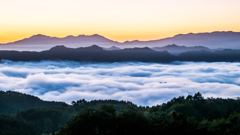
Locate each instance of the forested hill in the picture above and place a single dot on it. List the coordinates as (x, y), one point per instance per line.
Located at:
(11, 102)
(189, 115)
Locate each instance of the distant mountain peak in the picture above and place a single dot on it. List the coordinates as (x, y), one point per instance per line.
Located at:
(58, 48)
(223, 32)
(38, 35)
(172, 45)
(201, 47)
(211, 40)
(175, 49)
(70, 36)
(112, 48)
(132, 41)
(94, 35)
(92, 48)
(144, 49)
(95, 46)
(214, 32)
(97, 35)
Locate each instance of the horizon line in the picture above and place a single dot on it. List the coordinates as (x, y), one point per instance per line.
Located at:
(111, 39)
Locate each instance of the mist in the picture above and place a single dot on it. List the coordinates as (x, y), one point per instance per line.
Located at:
(141, 83)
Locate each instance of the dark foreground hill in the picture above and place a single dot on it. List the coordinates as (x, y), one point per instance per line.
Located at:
(97, 54)
(12, 102)
(28, 115)
(183, 115)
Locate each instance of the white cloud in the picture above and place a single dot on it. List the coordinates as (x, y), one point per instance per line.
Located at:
(141, 83)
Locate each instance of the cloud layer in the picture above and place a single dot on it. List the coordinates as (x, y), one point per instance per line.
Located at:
(141, 83)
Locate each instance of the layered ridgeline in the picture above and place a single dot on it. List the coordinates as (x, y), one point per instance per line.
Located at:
(213, 40)
(28, 115)
(193, 114)
(176, 50)
(95, 53)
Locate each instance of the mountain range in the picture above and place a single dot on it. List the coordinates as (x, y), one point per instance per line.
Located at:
(176, 50)
(213, 40)
(95, 53)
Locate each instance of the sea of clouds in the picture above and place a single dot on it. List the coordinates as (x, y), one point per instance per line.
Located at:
(140, 83)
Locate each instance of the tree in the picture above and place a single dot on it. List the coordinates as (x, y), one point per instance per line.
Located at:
(198, 96)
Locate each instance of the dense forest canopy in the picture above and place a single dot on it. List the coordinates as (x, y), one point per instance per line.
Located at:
(193, 114)
(12, 101)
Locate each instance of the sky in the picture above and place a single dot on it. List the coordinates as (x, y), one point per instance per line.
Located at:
(119, 20)
(141, 83)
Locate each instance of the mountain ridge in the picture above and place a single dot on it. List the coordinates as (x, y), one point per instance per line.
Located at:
(176, 50)
(212, 40)
(95, 53)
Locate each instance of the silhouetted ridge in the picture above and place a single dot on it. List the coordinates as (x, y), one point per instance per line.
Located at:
(190, 115)
(173, 45)
(12, 101)
(112, 48)
(226, 55)
(176, 50)
(58, 48)
(145, 49)
(92, 48)
(97, 35)
(39, 36)
(211, 40)
(95, 53)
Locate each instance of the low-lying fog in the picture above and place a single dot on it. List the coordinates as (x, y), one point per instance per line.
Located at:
(141, 83)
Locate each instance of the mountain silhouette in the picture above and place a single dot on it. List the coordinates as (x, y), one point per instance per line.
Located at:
(112, 48)
(95, 53)
(226, 55)
(213, 40)
(42, 42)
(176, 50)
(137, 49)
(60, 48)
(93, 48)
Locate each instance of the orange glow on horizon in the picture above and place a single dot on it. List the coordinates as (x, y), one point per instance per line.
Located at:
(117, 36)
(116, 20)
